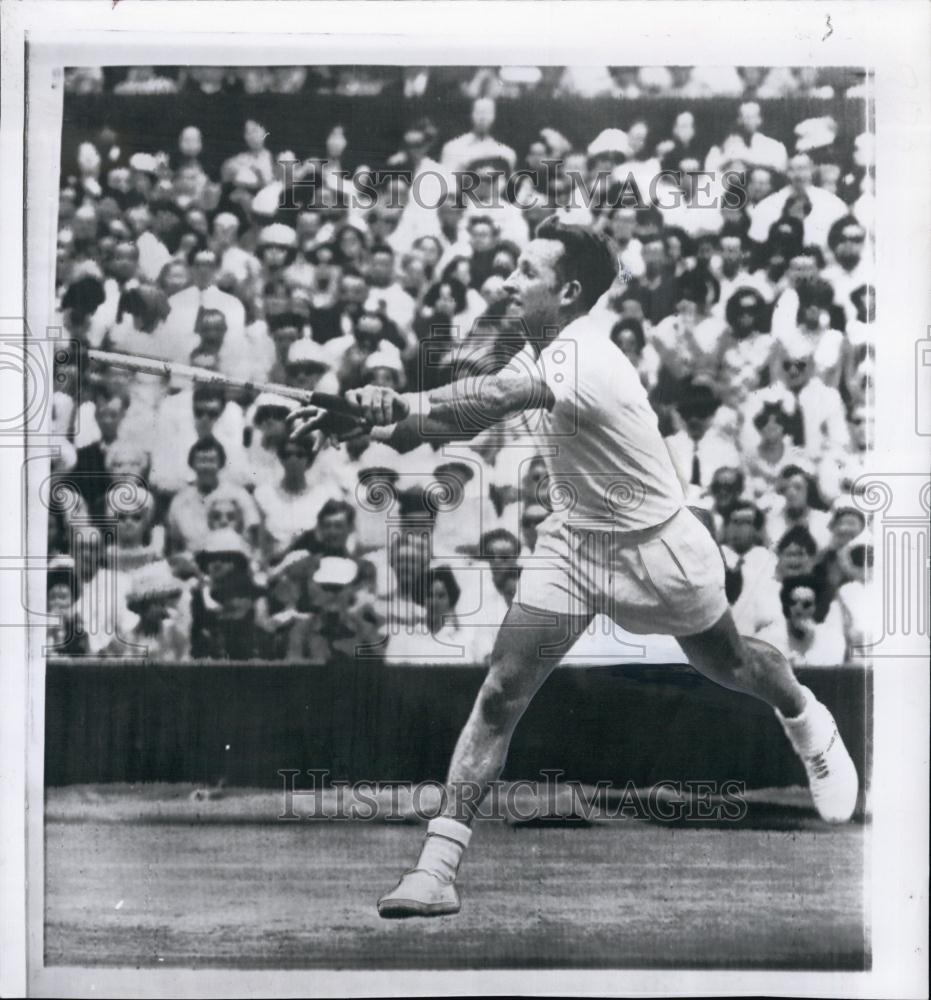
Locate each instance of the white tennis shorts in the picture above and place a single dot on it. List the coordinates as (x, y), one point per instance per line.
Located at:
(666, 580)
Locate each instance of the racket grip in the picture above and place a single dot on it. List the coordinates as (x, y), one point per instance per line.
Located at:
(335, 404)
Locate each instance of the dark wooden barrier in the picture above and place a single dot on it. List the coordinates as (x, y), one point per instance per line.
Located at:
(129, 721)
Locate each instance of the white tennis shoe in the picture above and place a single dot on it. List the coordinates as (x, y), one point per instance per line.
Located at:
(832, 774)
(419, 894)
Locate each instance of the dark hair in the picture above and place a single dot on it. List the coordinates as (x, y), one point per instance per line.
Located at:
(498, 535)
(635, 328)
(793, 583)
(772, 410)
(835, 233)
(202, 248)
(685, 241)
(482, 220)
(84, 296)
(444, 575)
(147, 302)
(759, 517)
(814, 293)
(588, 258)
(333, 507)
(733, 306)
(208, 443)
(305, 444)
(798, 535)
(286, 319)
(737, 472)
(382, 248)
(205, 392)
(456, 286)
(697, 400)
(698, 286)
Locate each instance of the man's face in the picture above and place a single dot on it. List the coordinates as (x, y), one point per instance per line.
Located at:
(204, 269)
(206, 413)
(760, 185)
(483, 116)
(796, 372)
(795, 491)
(859, 428)
(740, 531)
(637, 137)
(224, 514)
(190, 142)
(254, 136)
(124, 261)
(381, 268)
(353, 291)
(109, 415)
(845, 527)
(731, 254)
(799, 172)
(213, 330)
(687, 311)
(622, 224)
(333, 533)
(696, 426)
(849, 250)
(482, 237)
(802, 268)
(59, 599)
(801, 605)
(794, 560)
(725, 488)
(535, 286)
(294, 459)
(684, 128)
(175, 278)
(206, 467)
(627, 342)
(749, 118)
(654, 256)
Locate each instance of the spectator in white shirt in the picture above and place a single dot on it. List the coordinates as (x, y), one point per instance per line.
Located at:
(748, 145)
(822, 209)
(839, 472)
(477, 143)
(850, 271)
(797, 489)
(809, 643)
(827, 346)
(290, 504)
(750, 574)
(699, 450)
(768, 450)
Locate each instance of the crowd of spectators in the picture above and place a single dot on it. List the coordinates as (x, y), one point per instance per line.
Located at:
(505, 82)
(184, 521)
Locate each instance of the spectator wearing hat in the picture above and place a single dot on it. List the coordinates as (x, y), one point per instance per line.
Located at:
(286, 586)
(372, 332)
(230, 626)
(266, 431)
(161, 632)
(235, 262)
(290, 503)
(699, 449)
(825, 208)
(309, 367)
(187, 513)
(342, 624)
(808, 642)
(750, 574)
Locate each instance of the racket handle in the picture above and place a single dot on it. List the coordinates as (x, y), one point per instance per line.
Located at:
(335, 404)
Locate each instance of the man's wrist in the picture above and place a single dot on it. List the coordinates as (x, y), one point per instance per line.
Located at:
(418, 404)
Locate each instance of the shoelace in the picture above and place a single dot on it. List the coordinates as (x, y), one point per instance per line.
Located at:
(819, 764)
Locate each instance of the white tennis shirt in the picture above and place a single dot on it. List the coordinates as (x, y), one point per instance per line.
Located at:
(606, 459)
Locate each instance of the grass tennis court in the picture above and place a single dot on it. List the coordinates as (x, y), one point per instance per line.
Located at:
(301, 895)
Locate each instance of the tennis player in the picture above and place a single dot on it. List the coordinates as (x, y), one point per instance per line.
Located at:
(653, 568)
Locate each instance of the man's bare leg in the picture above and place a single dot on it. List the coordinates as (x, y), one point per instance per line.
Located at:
(757, 668)
(525, 653)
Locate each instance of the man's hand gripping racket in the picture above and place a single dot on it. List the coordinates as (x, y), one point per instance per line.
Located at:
(353, 414)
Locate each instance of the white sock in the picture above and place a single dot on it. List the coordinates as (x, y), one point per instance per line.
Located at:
(443, 846)
(811, 732)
